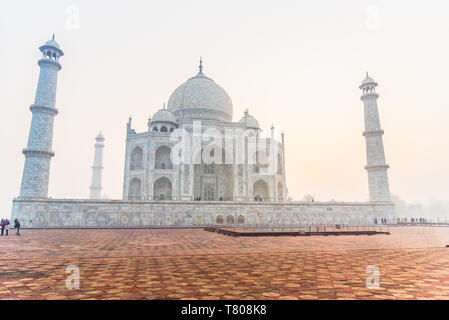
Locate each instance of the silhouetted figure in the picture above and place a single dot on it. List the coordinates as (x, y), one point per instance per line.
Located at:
(17, 226)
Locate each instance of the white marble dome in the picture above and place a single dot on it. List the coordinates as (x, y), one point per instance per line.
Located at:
(163, 115)
(368, 80)
(52, 43)
(200, 98)
(251, 122)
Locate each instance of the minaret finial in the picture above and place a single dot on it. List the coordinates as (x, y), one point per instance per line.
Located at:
(201, 64)
(164, 106)
(53, 37)
(367, 74)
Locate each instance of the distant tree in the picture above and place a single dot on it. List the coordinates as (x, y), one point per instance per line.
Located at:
(436, 210)
(400, 206)
(308, 198)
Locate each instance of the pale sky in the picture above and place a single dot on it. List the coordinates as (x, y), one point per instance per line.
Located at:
(295, 64)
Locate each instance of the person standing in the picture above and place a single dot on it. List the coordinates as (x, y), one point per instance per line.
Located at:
(17, 226)
(7, 228)
(2, 224)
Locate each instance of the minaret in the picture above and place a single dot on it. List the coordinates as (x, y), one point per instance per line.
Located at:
(379, 189)
(97, 168)
(38, 152)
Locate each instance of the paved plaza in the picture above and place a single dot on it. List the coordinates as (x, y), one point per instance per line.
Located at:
(195, 264)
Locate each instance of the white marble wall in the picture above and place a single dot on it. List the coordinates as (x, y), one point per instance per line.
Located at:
(128, 214)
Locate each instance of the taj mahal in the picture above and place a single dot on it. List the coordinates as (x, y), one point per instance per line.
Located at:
(150, 173)
(193, 166)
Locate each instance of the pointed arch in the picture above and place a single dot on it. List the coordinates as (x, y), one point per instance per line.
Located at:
(280, 192)
(261, 190)
(134, 189)
(162, 158)
(280, 169)
(136, 162)
(162, 189)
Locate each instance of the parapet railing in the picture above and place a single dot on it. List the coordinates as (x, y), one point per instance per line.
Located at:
(328, 228)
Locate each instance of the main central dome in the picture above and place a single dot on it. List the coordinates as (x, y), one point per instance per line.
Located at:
(200, 98)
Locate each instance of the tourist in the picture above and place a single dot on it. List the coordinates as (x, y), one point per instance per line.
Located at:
(7, 228)
(17, 226)
(2, 223)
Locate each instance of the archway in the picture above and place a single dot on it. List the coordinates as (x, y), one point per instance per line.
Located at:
(219, 220)
(280, 192)
(162, 189)
(279, 164)
(134, 189)
(260, 191)
(213, 177)
(136, 160)
(230, 219)
(162, 158)
(241, 219)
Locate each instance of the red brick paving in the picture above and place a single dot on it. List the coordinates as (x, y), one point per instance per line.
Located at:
(194, 264)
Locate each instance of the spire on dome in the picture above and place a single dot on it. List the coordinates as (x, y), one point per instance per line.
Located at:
(201, 65)
(100, 137)
(53, 38)
(368, 81)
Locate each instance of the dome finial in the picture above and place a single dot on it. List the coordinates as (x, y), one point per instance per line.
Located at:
(201, 64)
(53, 38)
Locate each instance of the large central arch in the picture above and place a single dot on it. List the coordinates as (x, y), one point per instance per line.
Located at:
(162, 189)
(213, 177)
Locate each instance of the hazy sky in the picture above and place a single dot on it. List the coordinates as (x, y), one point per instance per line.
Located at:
(295, 64)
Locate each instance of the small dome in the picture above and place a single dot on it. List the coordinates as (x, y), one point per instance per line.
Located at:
(251, 122)
(201, 98)
(368, 80)
(100, 136)
(52, 43)
(164, 115)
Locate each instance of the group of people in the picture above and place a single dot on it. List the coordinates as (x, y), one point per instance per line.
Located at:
(412, 220)
(380, 221)
(4, 224)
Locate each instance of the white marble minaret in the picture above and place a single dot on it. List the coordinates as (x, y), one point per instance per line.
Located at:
(97, 168)
(38, 152)
(377, 167)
